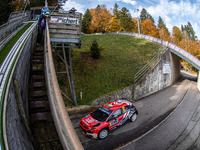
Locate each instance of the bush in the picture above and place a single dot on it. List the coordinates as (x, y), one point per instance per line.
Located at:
(95, 50)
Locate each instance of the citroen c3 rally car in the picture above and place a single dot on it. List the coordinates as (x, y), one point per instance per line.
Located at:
(98, 123)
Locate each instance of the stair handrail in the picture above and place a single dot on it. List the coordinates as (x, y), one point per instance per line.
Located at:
(64, 127)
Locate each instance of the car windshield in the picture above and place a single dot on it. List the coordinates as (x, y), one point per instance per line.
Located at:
(101, 114)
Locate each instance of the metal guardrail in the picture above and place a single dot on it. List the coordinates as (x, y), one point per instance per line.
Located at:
(64, 127)
(14, 21)
(173, 48)
(6, 73)
(149, 65)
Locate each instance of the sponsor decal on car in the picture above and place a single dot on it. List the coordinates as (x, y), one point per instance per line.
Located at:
(113, 122)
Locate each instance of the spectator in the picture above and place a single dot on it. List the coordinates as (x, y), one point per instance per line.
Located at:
(72, 10)
(44, 10)
(41, 26)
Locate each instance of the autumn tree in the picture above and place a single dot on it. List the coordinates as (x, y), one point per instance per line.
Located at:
(145, 15)
(176, 35)
(163, 31)
(149, 28)
(135, 22)
(115, 24)
(101, 19)
(86, 21)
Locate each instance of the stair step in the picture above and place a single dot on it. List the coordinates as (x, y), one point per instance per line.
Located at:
(38, 61)
(38, 53)
(40, 116)
(38, 57)
(38, 93)
(36, 106)
(37, 72)
(38, 84)
(37, 77)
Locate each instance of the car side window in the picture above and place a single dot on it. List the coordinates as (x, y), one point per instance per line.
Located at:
(125, 109)
(116, 114)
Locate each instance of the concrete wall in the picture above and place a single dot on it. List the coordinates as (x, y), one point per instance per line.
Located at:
(16, 133)
(164, 74)
(123, 93)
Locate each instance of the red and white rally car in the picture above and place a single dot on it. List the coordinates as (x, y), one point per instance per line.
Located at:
(98, 123)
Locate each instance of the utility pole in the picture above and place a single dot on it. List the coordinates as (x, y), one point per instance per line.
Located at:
(137, 11)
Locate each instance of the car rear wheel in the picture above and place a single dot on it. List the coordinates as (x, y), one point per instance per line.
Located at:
(103, 133)
(133, 117)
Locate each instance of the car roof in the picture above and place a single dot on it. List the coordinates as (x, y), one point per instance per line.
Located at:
(114, 105)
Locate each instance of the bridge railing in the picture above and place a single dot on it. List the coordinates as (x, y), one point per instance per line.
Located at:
(64, 127)
(14, 21)
(173, 48)
(6, 74)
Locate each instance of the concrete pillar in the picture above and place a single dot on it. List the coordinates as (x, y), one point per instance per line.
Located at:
(198, 80)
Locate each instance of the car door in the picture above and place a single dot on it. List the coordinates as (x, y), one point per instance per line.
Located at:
(115, 118)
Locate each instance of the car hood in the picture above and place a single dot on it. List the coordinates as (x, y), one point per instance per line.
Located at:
(89, 121)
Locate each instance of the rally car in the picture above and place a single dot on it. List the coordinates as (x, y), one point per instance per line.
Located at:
(98, 123)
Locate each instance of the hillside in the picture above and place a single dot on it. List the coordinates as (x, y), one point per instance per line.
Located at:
(121, 58)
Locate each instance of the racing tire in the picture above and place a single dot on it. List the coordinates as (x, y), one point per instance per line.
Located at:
(103, 133)
(133, 117)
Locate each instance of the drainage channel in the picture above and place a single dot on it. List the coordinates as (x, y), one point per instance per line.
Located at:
(41, 120)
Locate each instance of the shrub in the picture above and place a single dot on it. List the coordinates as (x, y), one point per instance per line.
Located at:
(95, 50)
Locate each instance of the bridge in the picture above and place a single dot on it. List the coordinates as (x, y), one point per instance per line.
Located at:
(15, 70)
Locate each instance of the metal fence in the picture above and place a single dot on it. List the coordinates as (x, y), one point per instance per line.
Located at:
(15, 20)
(150, 64)
(6, 73)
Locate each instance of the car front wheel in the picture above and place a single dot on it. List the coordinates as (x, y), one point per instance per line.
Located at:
(103, 133)
(133, 117)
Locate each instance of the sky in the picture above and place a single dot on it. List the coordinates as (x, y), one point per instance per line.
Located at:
(173, 12)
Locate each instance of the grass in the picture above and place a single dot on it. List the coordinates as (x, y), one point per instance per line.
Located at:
(121, 58)
(10, 44)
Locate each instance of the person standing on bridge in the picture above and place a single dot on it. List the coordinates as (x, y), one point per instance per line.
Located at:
(44, 10)
(41, 25)
(72, 10)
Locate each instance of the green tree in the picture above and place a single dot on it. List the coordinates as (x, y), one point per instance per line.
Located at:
(126, 22)
(95, 50)
(163, 31)
(190, 31)
(86, 22)
(161, 24)
(116, 11)
(145, 15)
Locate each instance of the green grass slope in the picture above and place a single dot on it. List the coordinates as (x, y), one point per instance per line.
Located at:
(121, 58)
(10, 44)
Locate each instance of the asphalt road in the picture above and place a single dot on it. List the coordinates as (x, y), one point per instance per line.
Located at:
(172, 127)
(152, 110)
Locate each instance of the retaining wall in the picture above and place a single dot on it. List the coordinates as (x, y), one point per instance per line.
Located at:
(17, 136)
(164, 74)
(156, 79)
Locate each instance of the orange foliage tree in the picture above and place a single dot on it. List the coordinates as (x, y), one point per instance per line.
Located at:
(115, 24)
(149, 28)
(164, 34)
(176, 35)
(101, 19)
